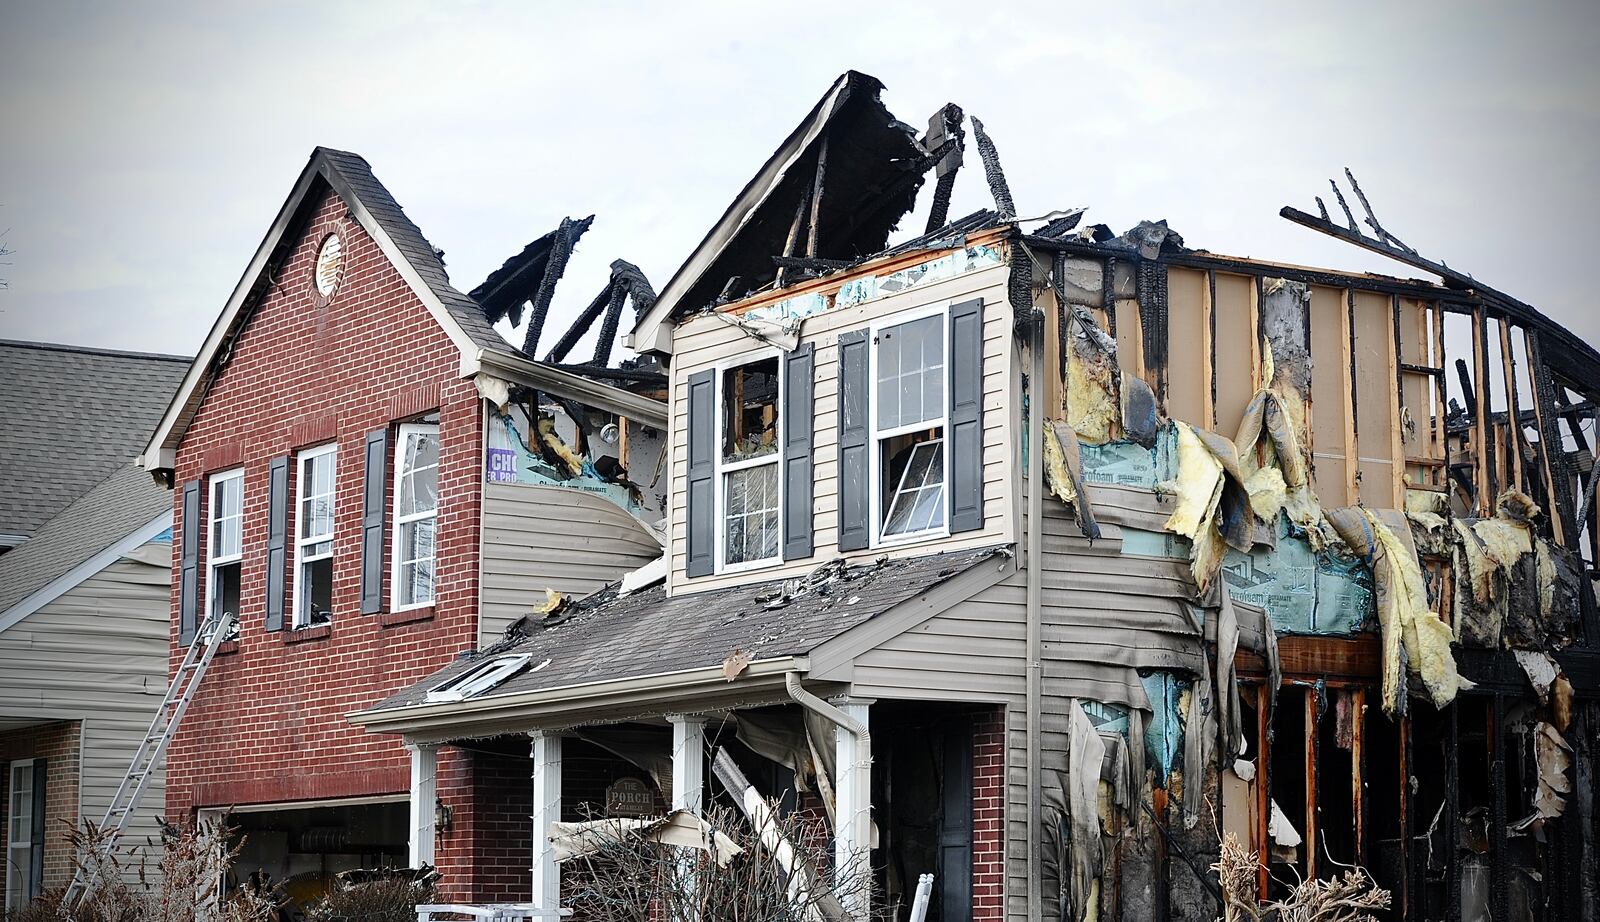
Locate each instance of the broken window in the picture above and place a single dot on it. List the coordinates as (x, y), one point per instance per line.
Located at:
(225, 552)
(908, 418)
(313, 589)
(481, 678)
(749, 462)
(416, 508)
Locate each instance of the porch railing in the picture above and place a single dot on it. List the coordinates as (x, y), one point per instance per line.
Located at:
(494, 912)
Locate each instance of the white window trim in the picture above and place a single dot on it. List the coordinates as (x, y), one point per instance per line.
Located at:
(481, 678)
(14, 900)
(299, 618)
(727, 467)
(405, 430)
(212, 560)
(875, 436)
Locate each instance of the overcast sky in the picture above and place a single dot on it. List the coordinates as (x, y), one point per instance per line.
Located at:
(146, 147)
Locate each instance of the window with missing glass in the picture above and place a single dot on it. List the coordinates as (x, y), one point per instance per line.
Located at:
(313, 588)
(748, 463)
(416, 510)
(908, 427)
(225, 547)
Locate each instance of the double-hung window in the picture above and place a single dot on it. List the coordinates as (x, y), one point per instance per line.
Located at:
(747, 464)
(416, 510)
(20, 828)
(313, 552)
(225, 550)
(909, 362)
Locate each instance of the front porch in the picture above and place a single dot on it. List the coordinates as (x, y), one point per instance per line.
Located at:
(875, 794)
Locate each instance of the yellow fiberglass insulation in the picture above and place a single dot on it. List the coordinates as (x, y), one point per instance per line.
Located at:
(1269, 441)
(1092, 409)
(547, 435)
(1198, 488)
(1408, 626)
(1056, 474)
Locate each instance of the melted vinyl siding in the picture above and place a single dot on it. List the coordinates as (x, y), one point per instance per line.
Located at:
(98, 654)
(539, 537)
(702, 342)
(1105, 615)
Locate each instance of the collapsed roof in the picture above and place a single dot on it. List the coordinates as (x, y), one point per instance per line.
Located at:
(833, 191)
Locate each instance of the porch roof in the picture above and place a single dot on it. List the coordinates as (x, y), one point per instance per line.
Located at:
(609, 637)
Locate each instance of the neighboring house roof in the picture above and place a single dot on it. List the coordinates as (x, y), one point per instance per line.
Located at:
(375, 209)
(122, 512)
(72, 416)
(607, 637)
(873, 172)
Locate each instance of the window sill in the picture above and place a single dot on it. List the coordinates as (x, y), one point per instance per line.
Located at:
(301, 635)
(408, 616)
(227, 647)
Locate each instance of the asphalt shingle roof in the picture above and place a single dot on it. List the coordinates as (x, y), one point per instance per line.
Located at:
(647, 633)
(105, 514)
(71, 416)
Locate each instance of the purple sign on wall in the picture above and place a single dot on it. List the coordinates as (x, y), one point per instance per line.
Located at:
(501, 465)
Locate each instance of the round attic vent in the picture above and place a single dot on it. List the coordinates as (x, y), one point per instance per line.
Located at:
(330, 265)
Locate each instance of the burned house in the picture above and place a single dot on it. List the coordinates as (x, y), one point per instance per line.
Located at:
(1046, 560)
(367, 479)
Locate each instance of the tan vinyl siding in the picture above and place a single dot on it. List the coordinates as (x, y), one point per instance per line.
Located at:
(703, 342)
(542, 537)
(1104, 616)
(98, 654)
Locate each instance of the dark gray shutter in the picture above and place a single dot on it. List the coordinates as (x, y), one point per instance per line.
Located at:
(700, 502)
(36, 871)
(372, 512)
(796, 422)
(189, 568)
(965, 426)
(855, 450)
(955, 824)
(277, 539)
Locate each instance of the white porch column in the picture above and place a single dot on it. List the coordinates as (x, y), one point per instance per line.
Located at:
(688, 761)
(546, 810)
(853, 810)
(424, 794)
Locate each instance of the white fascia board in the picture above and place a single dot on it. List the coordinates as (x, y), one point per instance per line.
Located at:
(558, 382)
(62, 584)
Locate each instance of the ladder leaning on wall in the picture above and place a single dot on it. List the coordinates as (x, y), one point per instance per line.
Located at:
(216, 629)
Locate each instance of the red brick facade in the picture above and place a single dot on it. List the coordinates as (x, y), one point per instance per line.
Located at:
(989, 815)
(58, 744)
(269, 724)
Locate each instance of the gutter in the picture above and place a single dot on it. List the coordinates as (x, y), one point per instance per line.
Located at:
(557, 382)
(449, 717)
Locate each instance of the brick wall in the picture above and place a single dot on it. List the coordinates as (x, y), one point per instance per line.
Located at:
(58, 745)
(487, 853)
(988, 815)
(269, 722)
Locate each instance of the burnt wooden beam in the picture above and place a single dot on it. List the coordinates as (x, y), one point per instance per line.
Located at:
(992, 172)
(793, 239)
(555, 267)
(816, 197)
(943, 127)
(810, 263)
(581, 325)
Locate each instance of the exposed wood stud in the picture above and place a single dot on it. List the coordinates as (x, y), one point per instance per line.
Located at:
(1480, 448)
(1358, 765)
(1404, 897)
(1208, 354)
(1563, 522)
(1397, 445)
(1352, 451)
(816, 197)
(1514, 435)
(1311, 780)
(1263, 797)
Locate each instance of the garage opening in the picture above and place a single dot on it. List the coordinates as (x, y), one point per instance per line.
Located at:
(301, 849)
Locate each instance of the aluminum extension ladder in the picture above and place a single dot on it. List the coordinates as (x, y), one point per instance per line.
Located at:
(216, 629)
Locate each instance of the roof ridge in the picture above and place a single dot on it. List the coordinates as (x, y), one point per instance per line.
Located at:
(95, 350)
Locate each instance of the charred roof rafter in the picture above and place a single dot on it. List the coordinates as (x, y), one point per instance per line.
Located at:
(529, 278)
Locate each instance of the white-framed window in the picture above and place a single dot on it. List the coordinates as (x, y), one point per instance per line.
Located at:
(313, 550)
(416, 511)
(19, 835)
(749, 487)
(482, 677)
(225, 546)
(910, 361)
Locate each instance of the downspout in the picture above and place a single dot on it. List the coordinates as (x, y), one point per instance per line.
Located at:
(863, 756)
(1035, 591)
